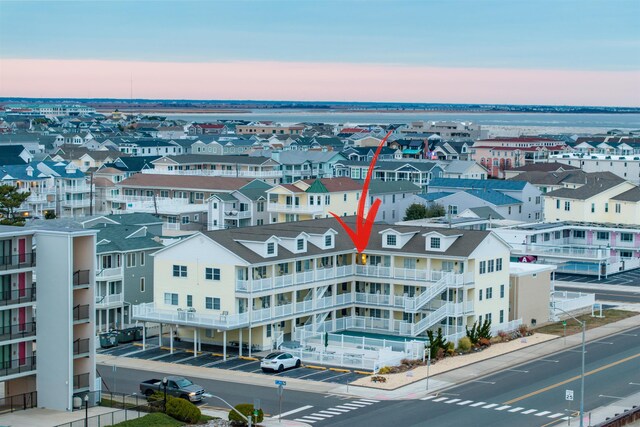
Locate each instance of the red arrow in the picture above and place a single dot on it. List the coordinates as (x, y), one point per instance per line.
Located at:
(361, 236)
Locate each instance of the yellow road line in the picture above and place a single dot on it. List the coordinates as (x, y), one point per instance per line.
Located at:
(542, 390)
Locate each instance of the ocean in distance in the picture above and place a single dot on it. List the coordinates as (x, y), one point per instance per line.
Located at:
(546, 120)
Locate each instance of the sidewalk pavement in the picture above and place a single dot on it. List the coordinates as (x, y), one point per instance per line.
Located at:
(41, 417)
(598, 415)
(267, 422)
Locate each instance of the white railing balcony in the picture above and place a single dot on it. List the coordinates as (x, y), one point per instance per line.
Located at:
(264, 284)
(76, 189)
(373, 271)
(373, 299)
(109, 300)
(281, 207)
(83, 203)
(109, 273)
(283, 281)
(149, 312)
(171, 225)
(573, 252)
(166, 205)
(217, 172)
(234, 214)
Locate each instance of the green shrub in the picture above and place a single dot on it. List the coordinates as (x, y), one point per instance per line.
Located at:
(451, 348)
(464, 344)
(484, 331)
(245, 409)
(183, 410)
(384, 370)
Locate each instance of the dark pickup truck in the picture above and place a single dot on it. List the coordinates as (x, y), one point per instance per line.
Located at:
(176, 386)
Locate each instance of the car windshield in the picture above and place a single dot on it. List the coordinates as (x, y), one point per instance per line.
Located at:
(183, 383)
(272, 356)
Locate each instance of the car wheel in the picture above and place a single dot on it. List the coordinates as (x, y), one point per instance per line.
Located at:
(148, 392)
(298, 363)
(280, 368)
(264, 370)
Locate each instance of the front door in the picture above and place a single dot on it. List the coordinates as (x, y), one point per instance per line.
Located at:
(22, 318)
(22, 250)
(22, 353)
(22, 285)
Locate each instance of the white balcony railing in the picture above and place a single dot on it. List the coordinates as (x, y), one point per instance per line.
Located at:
(281, 207)
(577, 252)
(218, 172)
(109, 300)
(234, 214)
(109, 273)
(165, 205)
(82, 203)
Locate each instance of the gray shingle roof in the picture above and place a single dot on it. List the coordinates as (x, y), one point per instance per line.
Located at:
(494, 184)
(228, 238)
(632, 195)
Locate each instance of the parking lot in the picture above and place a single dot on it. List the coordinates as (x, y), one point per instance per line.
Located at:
(210, 359)
(627, 278)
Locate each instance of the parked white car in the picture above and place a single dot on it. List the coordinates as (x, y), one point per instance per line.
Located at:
(279, 362)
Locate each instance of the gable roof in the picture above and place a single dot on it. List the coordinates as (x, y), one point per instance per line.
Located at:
(594, 186)
(332, 185)
(632, 195)
(196, 182)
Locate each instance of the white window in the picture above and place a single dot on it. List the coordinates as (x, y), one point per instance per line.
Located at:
(328, 240)
(131, 260)
(490, 264)
(602, 235)
(179, 271)
(185, 220)
(626, 237)
(483, 269)
(212, 273)
(391, 240)
(618, 208)
(142, 260)
(435, 243)
(212, 303)
(142, 284)
(271, 248)
(170, 299)
(498, 264)
(489, 293)
(300, 244)
(567, 206)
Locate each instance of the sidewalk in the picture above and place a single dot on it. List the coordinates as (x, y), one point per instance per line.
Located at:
(267, 422)
(40, 417)
(601, 414)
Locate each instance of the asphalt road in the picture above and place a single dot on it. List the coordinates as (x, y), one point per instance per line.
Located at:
(618, 296)
(526, 395)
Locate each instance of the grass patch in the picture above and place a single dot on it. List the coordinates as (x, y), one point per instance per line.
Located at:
(157, 419)
(610, 316)
(112, 403)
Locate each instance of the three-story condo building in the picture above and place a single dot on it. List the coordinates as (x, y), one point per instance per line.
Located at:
(260, 285)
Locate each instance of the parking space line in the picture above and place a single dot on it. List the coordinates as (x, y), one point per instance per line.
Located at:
(312, 373)
(337, 376)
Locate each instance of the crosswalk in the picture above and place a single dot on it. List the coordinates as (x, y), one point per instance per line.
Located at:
(335, 411)
(496, 407)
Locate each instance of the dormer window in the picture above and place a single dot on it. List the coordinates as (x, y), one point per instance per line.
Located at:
(271, 248)
(435, 243)
(300, 244)
(328, 241)
(391, 240)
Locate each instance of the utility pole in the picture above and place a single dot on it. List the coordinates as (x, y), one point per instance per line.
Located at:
(91, 194)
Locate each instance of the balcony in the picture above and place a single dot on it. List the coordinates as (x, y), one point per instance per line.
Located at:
(14, 262)
(81, 278)
(81, 347)
(218, 172)
(103, 301)
(17, 331)
(18, 296)
(592, 253)
(77, 203)
(163, 205)
(109, 273)
(298, 278)
(80, 382)
(15, 367)
(81, 313)
(234, 214)
(83, 188)
(300, 209)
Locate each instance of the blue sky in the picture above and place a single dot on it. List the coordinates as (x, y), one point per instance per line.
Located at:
(567, 35)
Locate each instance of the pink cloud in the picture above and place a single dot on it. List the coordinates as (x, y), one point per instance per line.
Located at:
(315, 81)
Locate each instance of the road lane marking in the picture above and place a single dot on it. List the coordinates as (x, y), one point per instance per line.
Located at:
(452, 401)
(517, 370)
(549, 360)
(478, 404)
(610, 397)
(629, 335)
(601, 342)
(542, 414)
(295, 411)
(339, 410)
(344, 407)
(561, 383)
(313, 418)
(634, 383)
(490, 405)
(519, 408)
(368, 400)
(440, 399)
(304, 421)
(529, 411)
(556, 415)
(316, 414)
(364, 403)
(427, 397)
(483, 382)
(329, 412)
(353, 404)
(464, 402)
(502, 408)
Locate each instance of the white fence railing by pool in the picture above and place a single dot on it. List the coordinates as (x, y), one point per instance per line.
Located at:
(569, 301)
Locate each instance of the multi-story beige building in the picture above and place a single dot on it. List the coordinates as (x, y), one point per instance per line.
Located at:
(313, 198)
(262, 285)
(269, 128)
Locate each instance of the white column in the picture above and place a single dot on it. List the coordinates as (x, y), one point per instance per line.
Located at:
(171, 339)
(122, 316)
(240, 341)
(250, 341)
(195, 342)
(160, 336)
(224, 345)
(144, 335)
(107, 310)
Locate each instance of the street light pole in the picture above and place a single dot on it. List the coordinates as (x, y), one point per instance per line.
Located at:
(249, 420)
(164, 385)
(86, 410)
(584, 327)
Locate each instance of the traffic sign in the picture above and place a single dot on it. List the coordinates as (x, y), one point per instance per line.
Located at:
(568, 394)
(280, 382)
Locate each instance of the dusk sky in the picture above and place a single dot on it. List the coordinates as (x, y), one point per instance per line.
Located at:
(502, 51)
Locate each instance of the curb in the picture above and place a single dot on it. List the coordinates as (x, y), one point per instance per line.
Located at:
(340, 370)
(363, 372)
(320, 368)
(248, 358)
